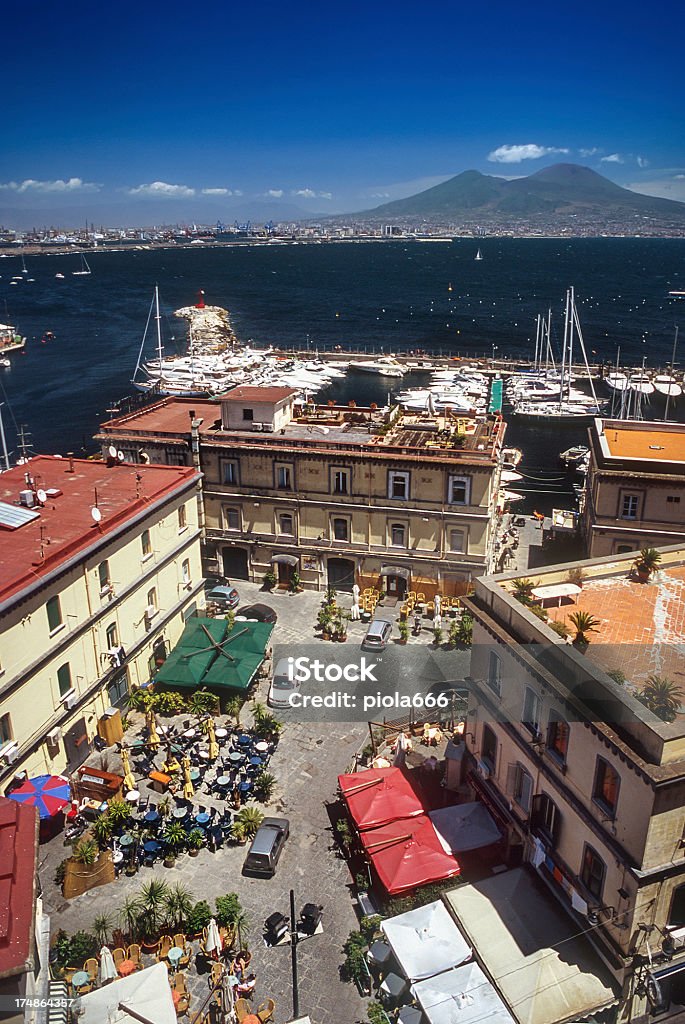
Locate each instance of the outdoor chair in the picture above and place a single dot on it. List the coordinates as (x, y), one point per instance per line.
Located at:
(165, 944)
(183, 1005)
(266, 1010)
(180, 982)
(180, 940)
(242, 1009)
(118, 955)
(217, 974)
(92, 967)
(133, 954)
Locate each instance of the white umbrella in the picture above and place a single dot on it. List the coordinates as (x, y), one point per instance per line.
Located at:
(213, 940)
(108, 969)
(354, 614)
(437, 619)
(355, 592)
(437, 604)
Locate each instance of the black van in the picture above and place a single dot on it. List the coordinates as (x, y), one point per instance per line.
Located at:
(266, 848)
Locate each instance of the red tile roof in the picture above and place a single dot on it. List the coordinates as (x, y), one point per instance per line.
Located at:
(18, 860)
(247, 393)
(65, 527)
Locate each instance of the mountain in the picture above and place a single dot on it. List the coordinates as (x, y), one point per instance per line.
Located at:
(556, 192)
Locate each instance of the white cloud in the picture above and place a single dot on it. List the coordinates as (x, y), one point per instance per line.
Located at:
(592, 151)
(325, 195)
(613, 158)
(59, 185)
(679, 177)
(217, 192)
(274, 193)
(380, 195)
(642, 161)
(515, 154)
(309, 193)
(161, 189)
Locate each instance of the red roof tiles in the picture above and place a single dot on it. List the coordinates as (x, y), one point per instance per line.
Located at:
(18, 855)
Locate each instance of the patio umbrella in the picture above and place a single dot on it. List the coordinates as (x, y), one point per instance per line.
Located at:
(213, 940)
(437, 602)
(153, 738)
(354, 613)
(188, 789)
(108, 969)
(48, 793)
(211, 738)
(129, 781)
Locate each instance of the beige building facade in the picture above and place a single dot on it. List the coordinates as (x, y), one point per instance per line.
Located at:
(635, 489)
(98, 574)
(587, 784)
(337, 495)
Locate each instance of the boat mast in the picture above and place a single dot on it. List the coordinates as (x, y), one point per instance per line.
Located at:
(572, 319)
(3, 441)
(159, 329)
(582, 349)
(537, 342)
(563, 353)
(668, 396)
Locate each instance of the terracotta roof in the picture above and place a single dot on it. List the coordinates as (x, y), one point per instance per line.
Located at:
(64, 526)
(170, 416)
(18, 853)
(650, 442)
(247, 393)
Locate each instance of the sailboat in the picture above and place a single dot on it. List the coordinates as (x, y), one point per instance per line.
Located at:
(479, 255)
(23, 265)
(85, 269)
(666, 384)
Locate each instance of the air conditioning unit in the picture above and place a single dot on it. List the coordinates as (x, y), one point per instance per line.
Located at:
(483, 768)
(27, 498)
(150, 611)
(258, 426)
(69, 699)
(54, 736)
(9, 753)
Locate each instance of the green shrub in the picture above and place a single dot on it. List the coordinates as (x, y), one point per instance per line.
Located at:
(198, 917)
(228, 910)
(560, 628)
(169, 703)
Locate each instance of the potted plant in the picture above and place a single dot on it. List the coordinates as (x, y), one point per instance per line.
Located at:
(326, 622)
(263, 787)
(238, 833)
(331, 597)
(195, 840)
(198, 918)
(584, 623)
(86, 851)
(251, 818)
(119, 813)
(381, 596)
(403, 628)
(174, 836)
(233, 707)
(576, 576)
(178, 905)
(295, 587)
(102, 927)
(646, 562)
(151, 902)
(437, 635)
(269, 579)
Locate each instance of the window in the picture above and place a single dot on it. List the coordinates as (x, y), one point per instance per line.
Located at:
(623, 549)
(112, 637)
(531, 711)
(557, 737)
(340, 481)
(341, 529)
(676, 916)
(607, 784)
(398, 485)
(54, 614)
(592, 872)
(285, 523)
(398, 535)
(248, 414)
(629, 507)
(495, 673)
(673, 499)
(6, 729)
(146, 543)
(284, 478)
(182, 518)
(456, 540)
(64, 679)
(489, 748)
(523, 787)
(458, 492)
(103, 576)
(231, 519)
(545, 817)
(185, 571)
(229, 472)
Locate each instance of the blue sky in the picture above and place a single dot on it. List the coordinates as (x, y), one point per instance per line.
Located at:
(326, 108)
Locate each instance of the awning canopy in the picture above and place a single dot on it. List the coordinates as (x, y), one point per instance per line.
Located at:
(379, 796)
(407, 853)
(512, 496)
(209, 655)
(284, 560)
(146, 993)
(556, 590)
(530, 948)
(463, 827)
(461, 996)
(396, 570)
(426, 941)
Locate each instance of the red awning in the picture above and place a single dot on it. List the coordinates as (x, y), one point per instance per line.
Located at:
(378, 796)
(407, 854)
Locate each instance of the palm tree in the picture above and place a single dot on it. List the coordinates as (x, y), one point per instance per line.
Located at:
(102, 926)
(179, 904)
(233, 708)
(662, 696)
(129, 915)
(139, 700)
(151, 905)
(263, 786)
(585, 623)
(259, 712)
(523, 589)
(250, 819)
(647, 561)
(201, 702)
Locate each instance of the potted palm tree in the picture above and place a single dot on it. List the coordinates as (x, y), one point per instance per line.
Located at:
(250, 818)
(662, 696)
(403, 628)
(152, 910)
(174, 837)
(645, 563)
(195, 840)
(269, 579)
(585, 623)
(178, 905)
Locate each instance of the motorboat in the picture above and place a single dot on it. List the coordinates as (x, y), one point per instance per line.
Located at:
(667, 385)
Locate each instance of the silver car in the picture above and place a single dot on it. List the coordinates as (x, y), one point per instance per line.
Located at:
(282, 686)
(377, 635)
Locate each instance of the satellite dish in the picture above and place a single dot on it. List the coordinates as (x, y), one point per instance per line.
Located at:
(120, 456)
(42, 496)
(96, 514)
(112, 452)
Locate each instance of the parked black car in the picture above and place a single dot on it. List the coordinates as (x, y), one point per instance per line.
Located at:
(260, 612)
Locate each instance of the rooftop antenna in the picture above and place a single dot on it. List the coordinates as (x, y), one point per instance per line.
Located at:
(139, 485)
(24, 445)
(96, 496)
(668, 396)
(96, 515)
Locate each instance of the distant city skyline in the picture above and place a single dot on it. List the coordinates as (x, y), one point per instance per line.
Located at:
(132, 115)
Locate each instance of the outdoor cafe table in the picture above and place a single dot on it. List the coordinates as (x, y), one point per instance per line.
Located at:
(202, 818)
(126, 840)
(261, 747)
(189, 734)
(236, 756)
(223, 781)
(244, 740)
(245, 787)
(151, 817)
(221, 734)
(180, 813)
(256, 761)
(204, 754)
(194, 774)
(174, 956)
(80, 979)
(151, 846)
(133, 796)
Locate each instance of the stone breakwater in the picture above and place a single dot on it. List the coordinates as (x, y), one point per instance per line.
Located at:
(210, 325)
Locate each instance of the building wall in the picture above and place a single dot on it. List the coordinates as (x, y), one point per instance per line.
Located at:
(31, 655)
